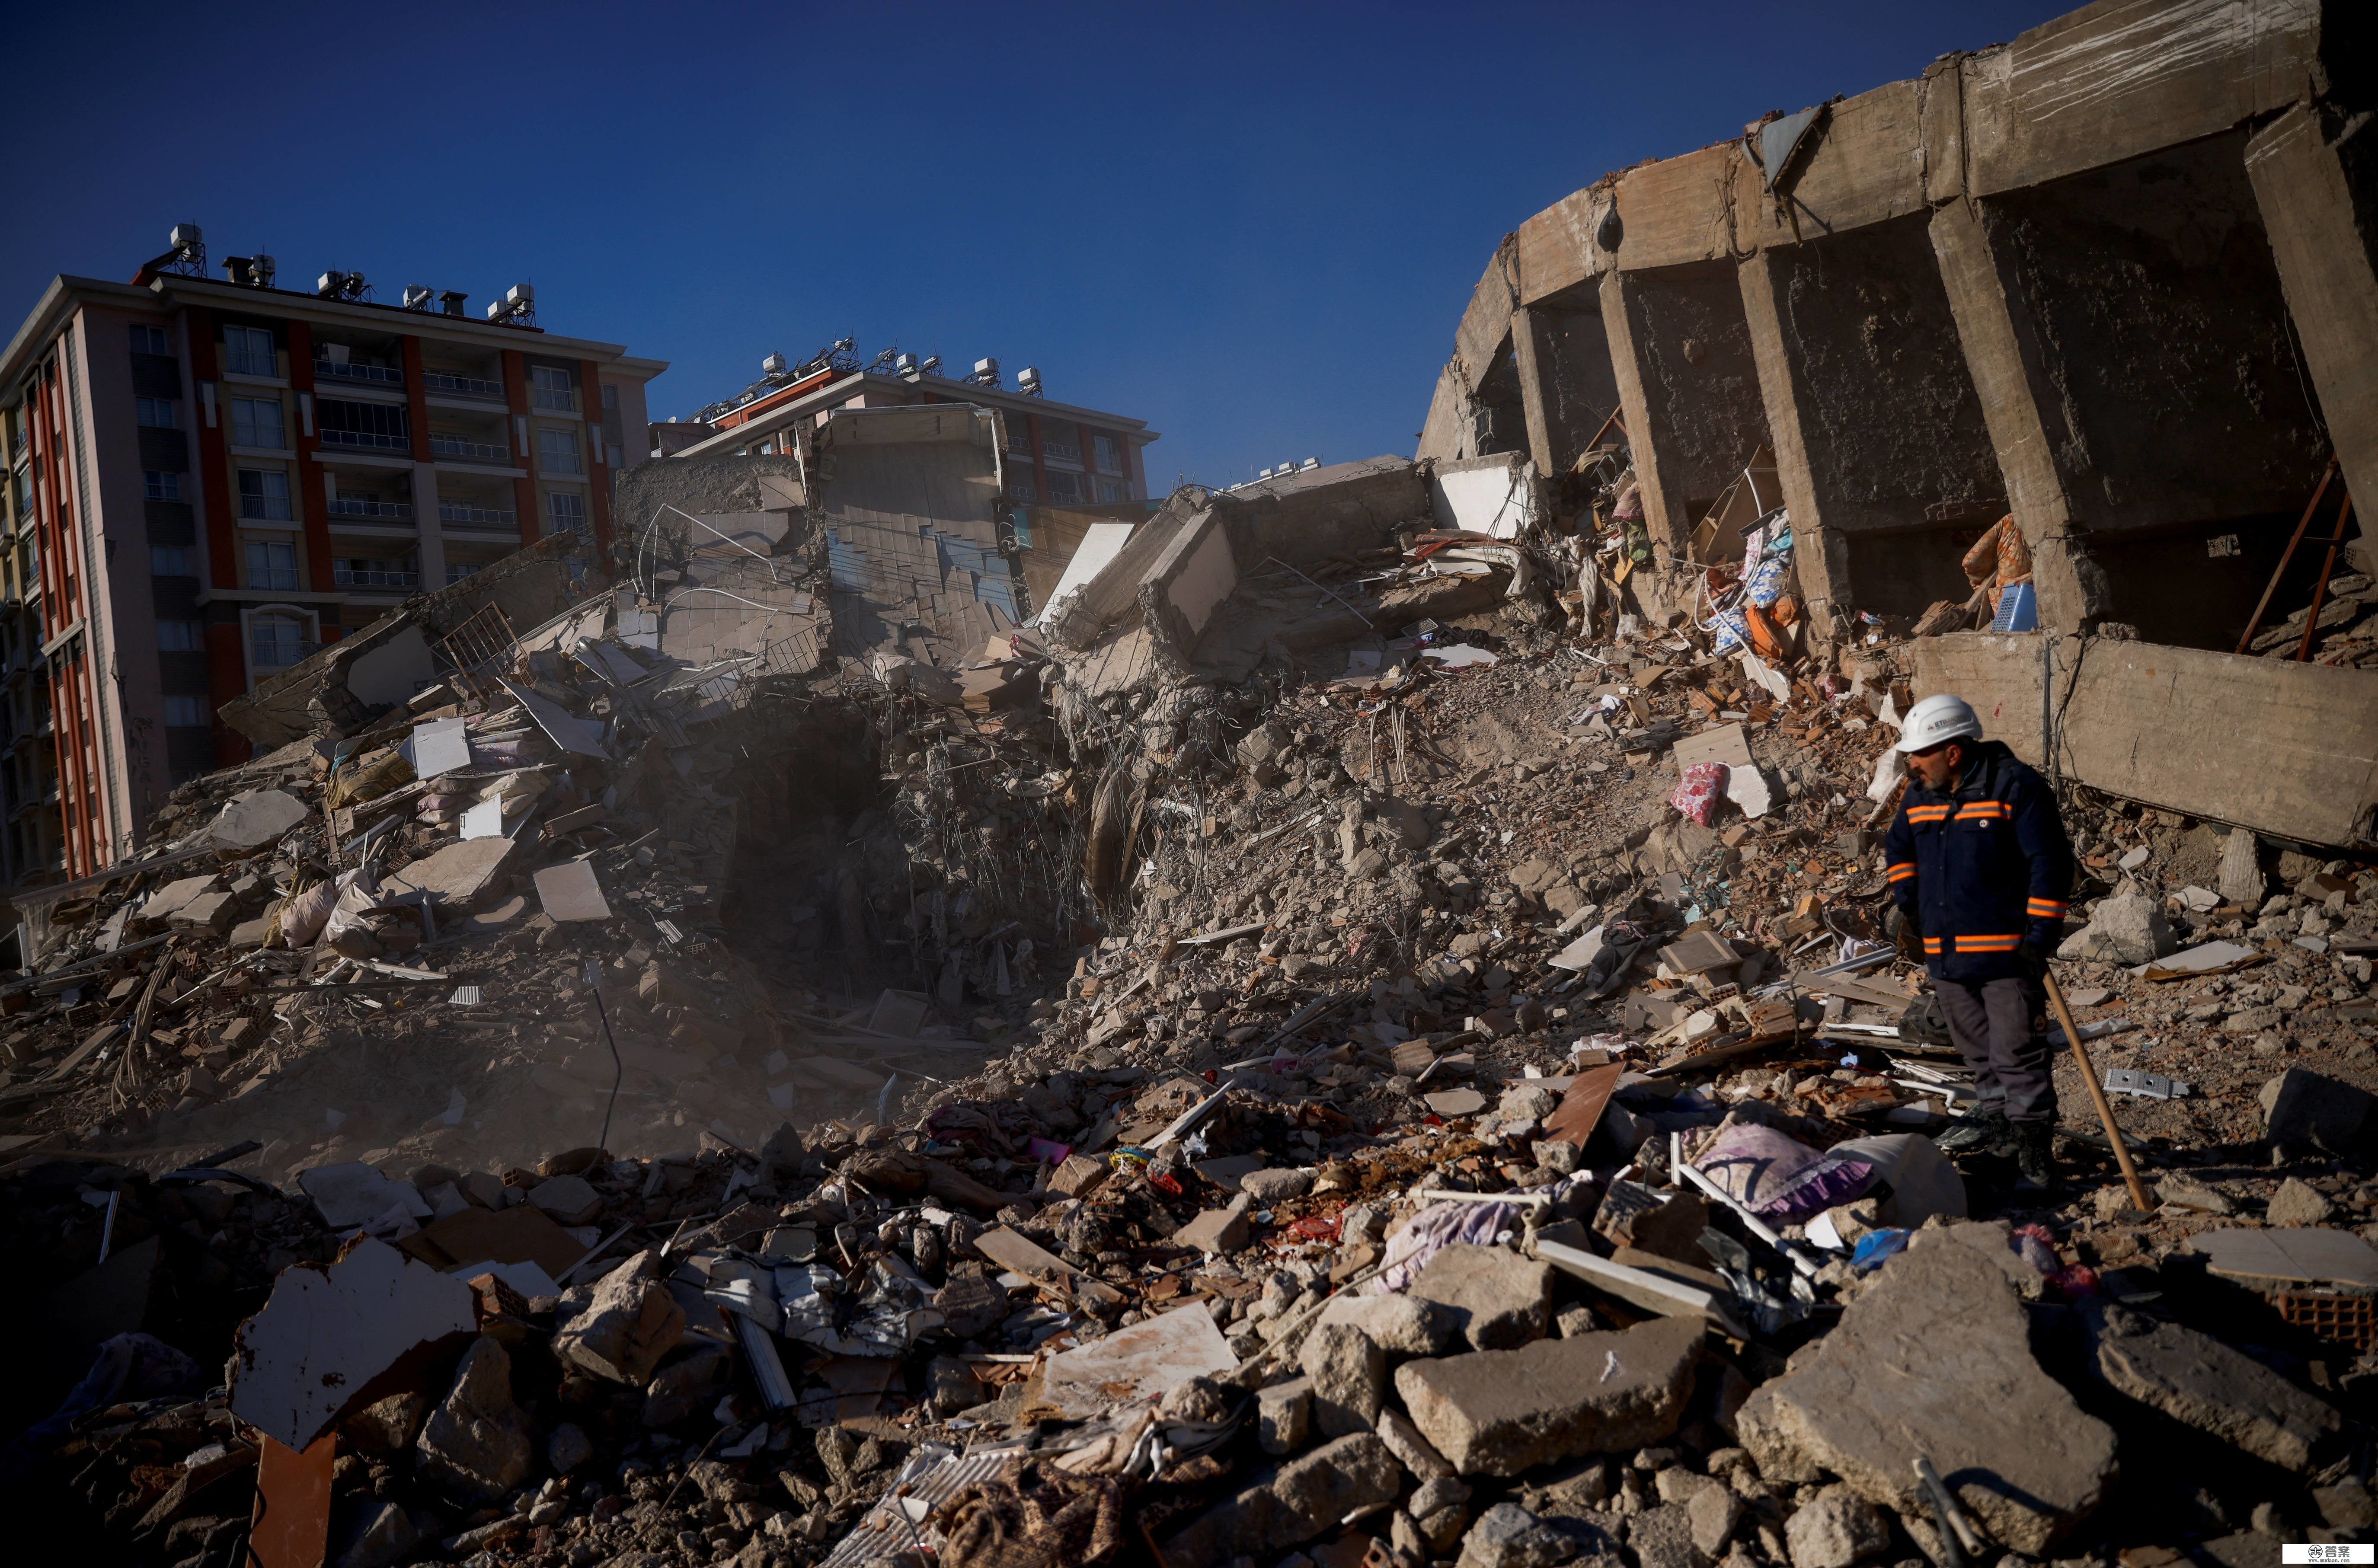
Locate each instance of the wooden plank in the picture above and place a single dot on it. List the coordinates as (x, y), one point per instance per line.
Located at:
(1855, 989)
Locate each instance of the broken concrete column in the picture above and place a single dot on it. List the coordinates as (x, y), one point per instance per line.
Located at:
(2027, 427)
(1527, 360)
(2305, 167)
(1662, 483)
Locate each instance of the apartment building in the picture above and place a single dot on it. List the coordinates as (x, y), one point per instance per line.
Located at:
(209, 479)
(1058, 454)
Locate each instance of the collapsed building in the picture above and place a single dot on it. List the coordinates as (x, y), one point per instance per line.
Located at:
(1350, 1023)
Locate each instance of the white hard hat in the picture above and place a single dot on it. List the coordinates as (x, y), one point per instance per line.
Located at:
(1937, 719)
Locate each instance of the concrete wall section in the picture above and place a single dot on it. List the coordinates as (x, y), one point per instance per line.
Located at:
(1862, 166)
(2164, 334)
(1567, 384)
(1680, 210)
(2298, 757)
(1316, 513)
(1556, 247)
(1446, 432)
(1195, 573)
(1694, 406)
(1876, 421)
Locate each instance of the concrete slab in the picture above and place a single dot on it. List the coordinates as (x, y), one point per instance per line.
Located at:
(1136, 1364)
(457, 877)
(258, 817)
(570, 891)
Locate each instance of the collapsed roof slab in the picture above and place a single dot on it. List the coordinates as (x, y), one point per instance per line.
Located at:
(2297, 752)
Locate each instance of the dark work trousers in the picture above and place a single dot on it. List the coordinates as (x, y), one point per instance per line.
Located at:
(1996, 1026)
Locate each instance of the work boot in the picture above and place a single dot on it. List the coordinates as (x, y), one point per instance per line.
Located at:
(2035, 1157)
(1984, 1131)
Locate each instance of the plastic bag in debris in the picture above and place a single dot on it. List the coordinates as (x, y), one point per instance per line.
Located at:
(1774, 1175)
(1877, 1248)
(358, 894)
(1923, 1181)
(1889, 768)
(816, 1305)
(302, 916)
(1698, 795)
(1770, 1311)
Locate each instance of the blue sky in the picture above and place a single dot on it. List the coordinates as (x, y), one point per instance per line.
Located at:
(1253, 226)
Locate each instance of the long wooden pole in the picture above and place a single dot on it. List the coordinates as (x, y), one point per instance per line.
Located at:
(2097, 1092)
(2254, 622)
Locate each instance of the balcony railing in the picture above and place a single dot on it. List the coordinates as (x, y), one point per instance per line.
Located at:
(370, 438)
(265, 508)
(464, 386)
(461, 516)
(469, 451)
(387, 374)
(399, 511)
(1063, 451)
(347, 578)
(550, 401)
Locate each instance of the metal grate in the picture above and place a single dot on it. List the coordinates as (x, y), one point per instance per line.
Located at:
(483, 641)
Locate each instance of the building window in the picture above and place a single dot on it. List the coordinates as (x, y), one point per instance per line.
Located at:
(553, 389)
(1113, 490)
(1110, 452)
(385, 427)
(256, 422)
(1064, 488)
(158, 414)
(248, 351)
(568, 512)
(149, 339)
(186, 712)
(181, 637)
(456, 571)
(170, 560)
(275, 642)
(1019, 486)
(557, 451)
(264, 495)
(375, 573)
(162, 486)
(273, 565)
(1020, 436)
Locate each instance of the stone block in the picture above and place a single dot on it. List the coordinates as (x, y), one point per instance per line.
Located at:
(628, 1325)
(2201, 1383)
(1412, 1450)
(2302, 1109)
(1503, 1300)
(570, 1200)
(1934, 1358)
(1401, 1325)
(1217, 1231)
(477, 1445)
(1284, 1415)
(1835, 1530)
(1508, 1535)
(1349, 1373)
(1265, 1188)
(689, 1385)
(1498, 1412)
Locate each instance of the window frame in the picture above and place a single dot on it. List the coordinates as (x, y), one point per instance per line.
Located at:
(242, 352)
(279, 424)
(275, 621)
(278, 579)
(547, 438)
(170, 560)
(149, 339)
(181, 637)
(196, 705)
(161, 484)
(144, 408)
(262, 495)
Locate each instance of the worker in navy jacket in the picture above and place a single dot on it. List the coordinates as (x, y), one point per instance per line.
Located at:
(1980, 868)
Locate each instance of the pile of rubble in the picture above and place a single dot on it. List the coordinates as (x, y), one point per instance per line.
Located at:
(1241, 1072)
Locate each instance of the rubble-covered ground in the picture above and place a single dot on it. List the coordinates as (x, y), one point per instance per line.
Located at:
(605, 1113)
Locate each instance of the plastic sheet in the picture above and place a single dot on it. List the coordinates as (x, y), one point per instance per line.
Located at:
(1698, 795)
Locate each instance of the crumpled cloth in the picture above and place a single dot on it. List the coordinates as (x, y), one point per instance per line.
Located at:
(1033, 1516)
(1999, 559)
(1698, 795)
(1435, 1228)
